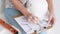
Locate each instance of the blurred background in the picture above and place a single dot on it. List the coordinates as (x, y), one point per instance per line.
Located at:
(56, 27)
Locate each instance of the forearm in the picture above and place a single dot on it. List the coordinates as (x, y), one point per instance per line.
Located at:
(50, 7)
(18, 5)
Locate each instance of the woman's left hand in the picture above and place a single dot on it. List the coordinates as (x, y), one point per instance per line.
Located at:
(51, 19)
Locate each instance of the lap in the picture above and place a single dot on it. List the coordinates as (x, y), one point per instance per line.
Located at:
(10, 12)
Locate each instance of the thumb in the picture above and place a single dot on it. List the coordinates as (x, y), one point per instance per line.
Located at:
(52, 21)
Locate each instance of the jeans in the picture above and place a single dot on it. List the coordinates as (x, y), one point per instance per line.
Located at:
(10, 12)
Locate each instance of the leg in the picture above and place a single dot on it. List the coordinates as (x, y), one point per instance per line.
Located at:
(10, 12)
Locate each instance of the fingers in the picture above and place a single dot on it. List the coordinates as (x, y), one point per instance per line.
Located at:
(50, 17)
(52, 21)
(33, 19)
(29, 18)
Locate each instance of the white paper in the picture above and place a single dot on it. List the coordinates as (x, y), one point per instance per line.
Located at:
(30, 27)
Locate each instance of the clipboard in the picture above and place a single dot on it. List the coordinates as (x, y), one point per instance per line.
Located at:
(45, 28)
(7, 28)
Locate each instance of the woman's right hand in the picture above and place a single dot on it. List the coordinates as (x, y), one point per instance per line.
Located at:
(32, 18)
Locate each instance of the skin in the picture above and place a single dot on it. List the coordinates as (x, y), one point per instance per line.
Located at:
(19, 6)
(51, 10)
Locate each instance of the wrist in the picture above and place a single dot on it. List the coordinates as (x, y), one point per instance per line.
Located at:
(52, 13)
(27, 14)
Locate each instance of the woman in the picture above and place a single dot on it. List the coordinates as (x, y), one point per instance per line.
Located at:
(22, 6)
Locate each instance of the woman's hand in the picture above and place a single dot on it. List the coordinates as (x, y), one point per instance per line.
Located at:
(51, 11)
(51, 19)
(32, 18)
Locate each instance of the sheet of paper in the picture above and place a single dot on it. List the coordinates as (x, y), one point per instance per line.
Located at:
(29, 27)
